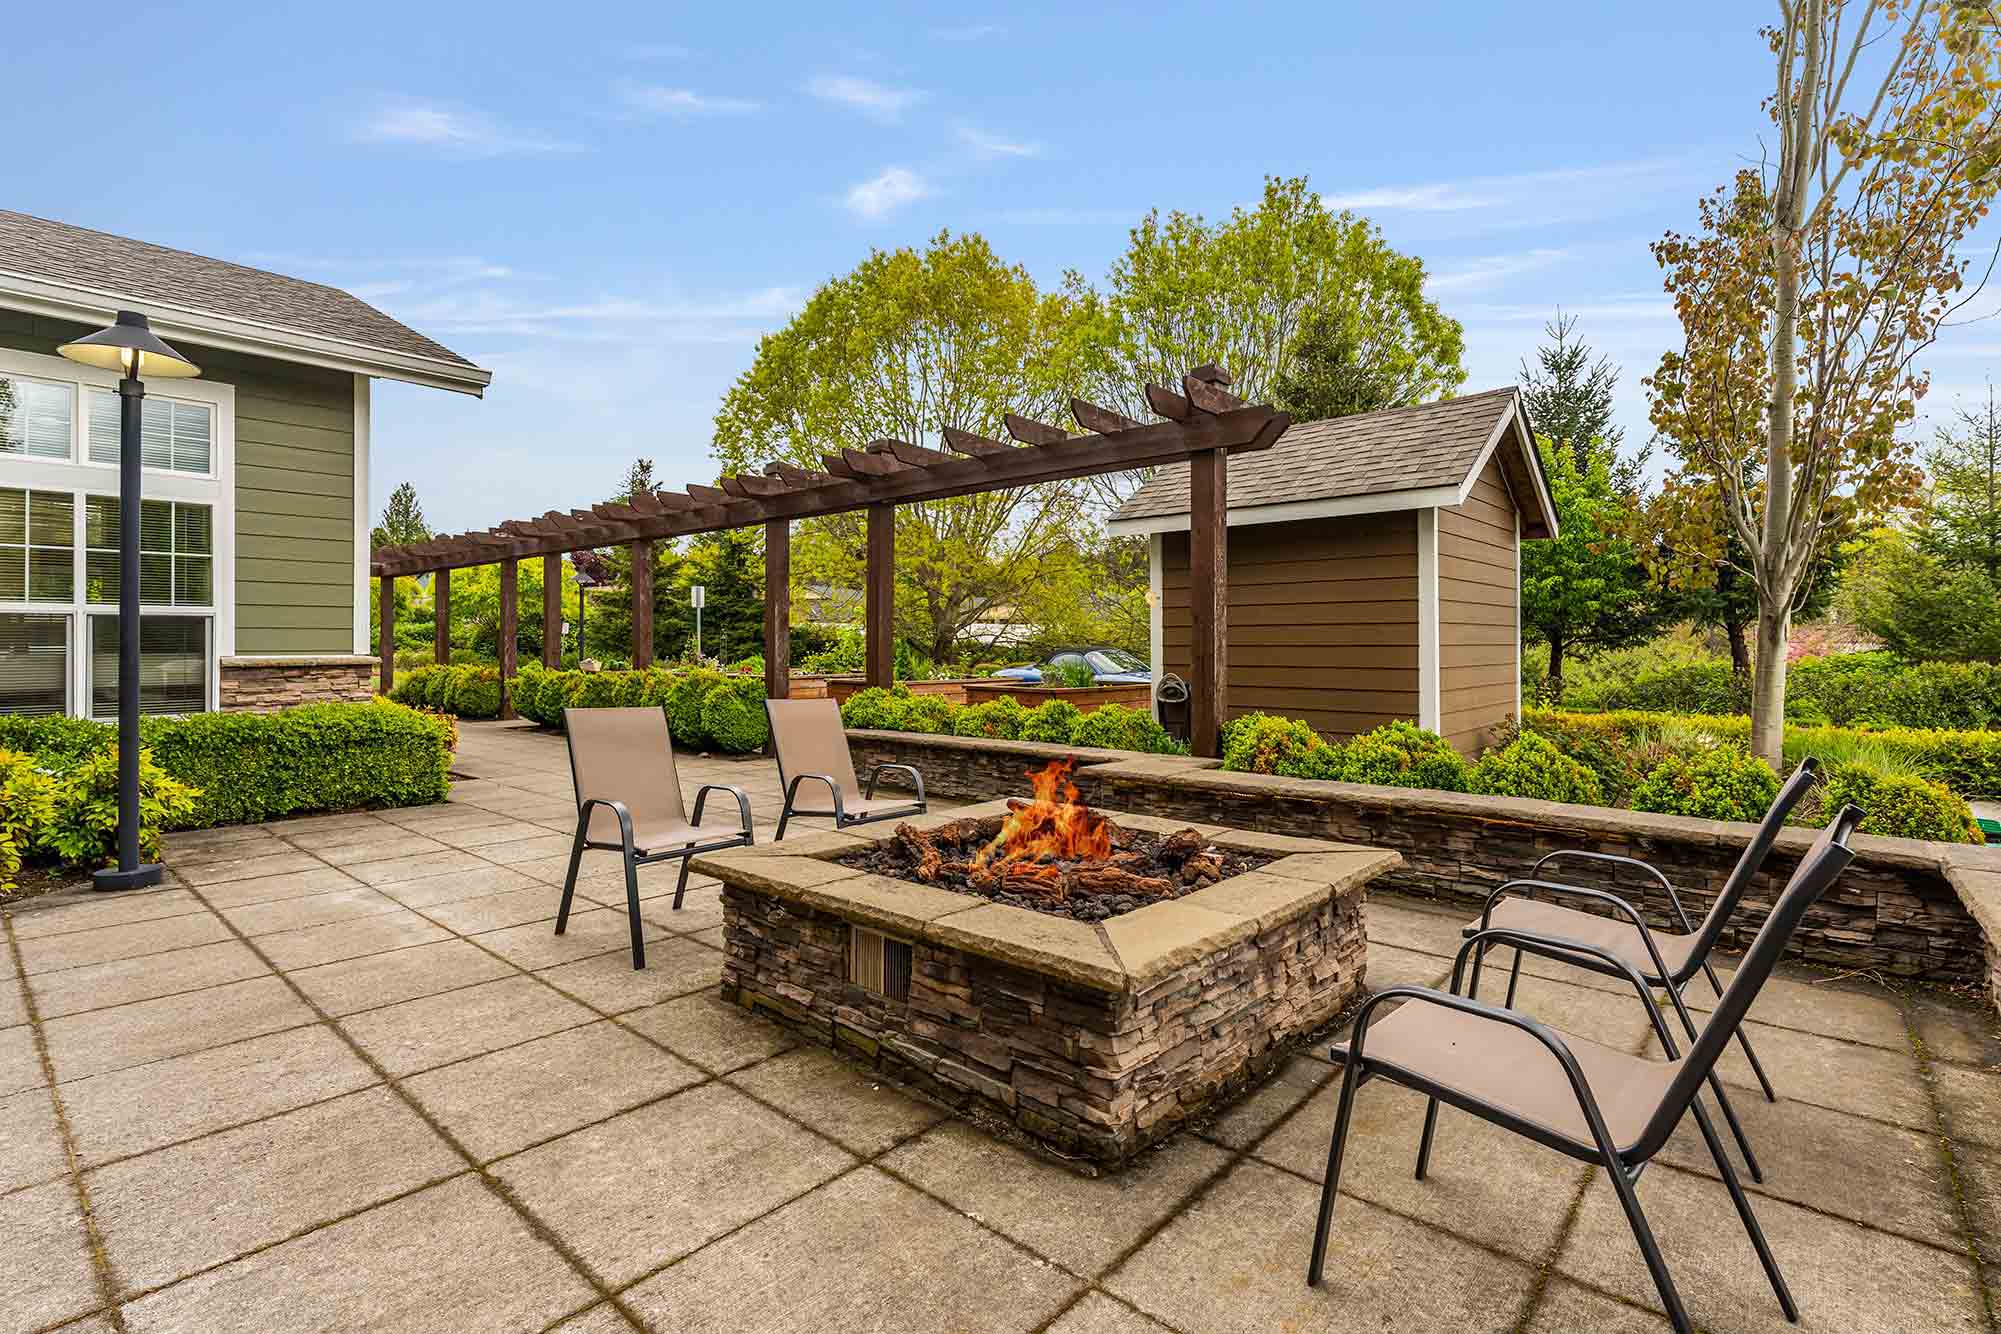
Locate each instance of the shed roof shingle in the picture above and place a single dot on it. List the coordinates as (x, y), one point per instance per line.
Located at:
(57, 252)
(1370, 453)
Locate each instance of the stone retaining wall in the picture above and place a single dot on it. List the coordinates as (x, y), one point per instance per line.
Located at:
(1903, 909)
(261, 685)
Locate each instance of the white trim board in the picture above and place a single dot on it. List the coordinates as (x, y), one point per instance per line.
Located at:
(1430, 711)
(362, 527)
(1156, 615)
(86, 305)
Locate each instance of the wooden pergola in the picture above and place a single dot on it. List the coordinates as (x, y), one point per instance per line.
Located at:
(1202, 424)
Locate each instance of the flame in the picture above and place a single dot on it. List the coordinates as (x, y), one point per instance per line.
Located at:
(1055, 826)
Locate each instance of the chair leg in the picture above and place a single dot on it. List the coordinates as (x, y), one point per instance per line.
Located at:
(1757, 1068)
(1514, 980)
(1424, 1140)
(681, 885)
(783, 816)
(1716, 1087)
(1332, 1183)
(570, 880)
(1738, 1198)
(632, 910)
(1649, 1250)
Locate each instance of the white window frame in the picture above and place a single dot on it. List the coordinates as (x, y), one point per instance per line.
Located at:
(82, 479)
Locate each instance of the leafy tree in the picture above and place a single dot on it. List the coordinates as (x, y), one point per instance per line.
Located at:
(1327, 375)
(1568, 395)
(1961, 524)
(907, 343)
(1239, 293)
(402, 521)
(1812, 287)
(1585, 590)
(1919, 606)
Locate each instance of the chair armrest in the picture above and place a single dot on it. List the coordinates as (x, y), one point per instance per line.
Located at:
(1541, 1032)
(617, 808)
(1620, 908)
(1614, 859)
(916, 779)
(1565, 950)
(742, 803)
(792, 793)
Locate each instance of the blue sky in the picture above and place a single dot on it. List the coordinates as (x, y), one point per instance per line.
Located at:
(605, 205)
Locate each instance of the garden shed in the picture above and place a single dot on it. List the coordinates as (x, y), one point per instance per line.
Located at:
(1373, 567)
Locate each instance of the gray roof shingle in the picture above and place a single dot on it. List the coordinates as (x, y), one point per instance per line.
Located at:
(57, 252)
(1396, 449)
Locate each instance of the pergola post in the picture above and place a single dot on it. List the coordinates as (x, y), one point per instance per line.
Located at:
(385, 679)
(642, 603)
(1208, 593)
(552, 610)
(879, 651)
(777, 608)
(510, 633)
(441, 602)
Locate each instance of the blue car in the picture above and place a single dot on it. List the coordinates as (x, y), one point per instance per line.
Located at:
(1108, 667)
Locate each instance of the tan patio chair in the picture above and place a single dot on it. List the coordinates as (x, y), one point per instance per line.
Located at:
(629, 802)
(1594, 1103)
(1666, 959)
(812, 747)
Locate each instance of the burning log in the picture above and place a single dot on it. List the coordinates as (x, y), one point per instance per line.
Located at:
(929, 857)
(1112, 880)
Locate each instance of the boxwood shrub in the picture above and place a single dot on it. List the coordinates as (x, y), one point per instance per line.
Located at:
(1052, 721)
(1532, 766)
(1265, 743)
(1118, 727)
(877, 707)
(1899, 805)
(1398, 754)
(1719, 784)
(999, 718)
(733, 716)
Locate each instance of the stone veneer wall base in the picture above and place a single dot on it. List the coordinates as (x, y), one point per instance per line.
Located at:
(261, 685)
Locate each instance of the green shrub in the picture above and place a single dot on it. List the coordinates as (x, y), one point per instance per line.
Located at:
(1117, 727)
(999, 718)
(1072, 675)
(55, 741)
(1054, 721)
(414, 687)
(1900, 806)
(1719, 784)
(27, 804)
(658, 685)
(1532, 766)
(1264, 743)
(631, 689)
(684, 707)
(83, 828)
(436, 690)
(472, 692)
(876, 707)
(733, 715)
(843, 657)
(1700, 687)
(591, 690)
(929, 713)
(1398, 754)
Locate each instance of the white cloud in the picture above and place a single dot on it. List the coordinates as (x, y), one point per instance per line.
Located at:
(886, 192)
(654, 99)
(988, 145)
(455, 130)
(608, 318)
(863, 95)
(1440, 198)
(970, 32)
(1498, 192)
(1486, 270)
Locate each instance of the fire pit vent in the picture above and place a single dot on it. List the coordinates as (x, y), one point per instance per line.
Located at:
(879, 963)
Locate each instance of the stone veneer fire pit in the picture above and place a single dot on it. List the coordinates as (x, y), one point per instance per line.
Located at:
(1094, 1038)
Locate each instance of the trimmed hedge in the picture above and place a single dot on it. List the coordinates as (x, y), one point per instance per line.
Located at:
(1057, 722)
(1721, 784)
(733, 715)
(1899, 805)
(1842, 689)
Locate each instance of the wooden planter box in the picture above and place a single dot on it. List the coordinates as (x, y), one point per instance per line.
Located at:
(842, 688)
(1086, 698)
(804, 686)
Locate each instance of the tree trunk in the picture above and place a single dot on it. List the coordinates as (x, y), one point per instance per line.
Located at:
(1555, 686)
(1768, 691)
(1740, 654)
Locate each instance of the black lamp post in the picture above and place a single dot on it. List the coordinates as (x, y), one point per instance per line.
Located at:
(584, 585)
(129, 347)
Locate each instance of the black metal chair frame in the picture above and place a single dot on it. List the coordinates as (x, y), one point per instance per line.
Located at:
(840, 816)
(1623, 1169)
(634, 859)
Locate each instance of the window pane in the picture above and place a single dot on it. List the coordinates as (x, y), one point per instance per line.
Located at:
(156, 526)
(100, 576)
(173, 664)
(193, 578)
(156, 580)
(13, 516)
(35, 418)
(192, 530)
(100, 521)
(191, 437)
(156, 434)
(103, 426)
(34, 663)
(13, 574)
(51, 575)
(51, 519)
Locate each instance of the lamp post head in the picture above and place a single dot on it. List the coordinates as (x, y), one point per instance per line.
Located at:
(130, 347)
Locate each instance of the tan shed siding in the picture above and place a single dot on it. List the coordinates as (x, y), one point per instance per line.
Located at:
(294, 492)
(1323, 619)
(1479, 651)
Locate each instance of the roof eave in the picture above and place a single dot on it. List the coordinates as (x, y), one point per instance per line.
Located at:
(1290, 511)
(206, 328)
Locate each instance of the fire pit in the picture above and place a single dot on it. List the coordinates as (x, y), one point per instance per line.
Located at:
(1093, 978)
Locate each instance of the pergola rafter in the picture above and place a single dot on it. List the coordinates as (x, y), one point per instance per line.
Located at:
(1202, 424)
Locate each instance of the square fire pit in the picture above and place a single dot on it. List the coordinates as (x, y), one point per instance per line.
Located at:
(1094, 1037)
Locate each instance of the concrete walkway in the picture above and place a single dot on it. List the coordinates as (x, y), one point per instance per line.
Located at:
(341, 1075)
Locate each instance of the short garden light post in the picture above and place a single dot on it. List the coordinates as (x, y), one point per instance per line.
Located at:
(129, 347)
(584, 585)
(697, 595)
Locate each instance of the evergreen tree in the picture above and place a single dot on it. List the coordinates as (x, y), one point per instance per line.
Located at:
(1569, 396)
(1331, 375)
(403, 521)
(1962, 524)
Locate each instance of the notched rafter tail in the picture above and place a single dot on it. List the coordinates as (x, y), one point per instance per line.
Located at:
(1210, 373)
(751, 486)
(798, 476)
(1101, 421)
(917, 456)
(1032, 432)
(973, 446)
(1208, 397)
(1168, 403)
(707, 495)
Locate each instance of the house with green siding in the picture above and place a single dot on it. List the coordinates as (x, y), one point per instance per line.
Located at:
(254, 537)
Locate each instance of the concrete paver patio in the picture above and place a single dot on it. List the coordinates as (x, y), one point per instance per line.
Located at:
(340, 1074)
